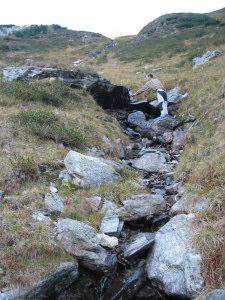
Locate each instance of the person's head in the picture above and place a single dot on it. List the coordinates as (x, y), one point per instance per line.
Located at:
(149, 77)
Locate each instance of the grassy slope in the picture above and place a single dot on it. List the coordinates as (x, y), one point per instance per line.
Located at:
(201, 166)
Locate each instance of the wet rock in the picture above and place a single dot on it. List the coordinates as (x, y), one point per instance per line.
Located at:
(158, 126)
(174, 266)
(149, 293)
(81, 240)
(206, 57)
(53, 202)
(145, 107)
(142, 206)
(125, 286)
(55, 283)
(215, 295)
(153, 163)
(136, 118)
(88, 171)
(131, 133)
(179, 140)
(138, 243)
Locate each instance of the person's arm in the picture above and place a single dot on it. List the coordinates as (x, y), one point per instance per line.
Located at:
(143, 89)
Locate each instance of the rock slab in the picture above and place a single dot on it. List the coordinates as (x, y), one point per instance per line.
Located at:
(173, 266)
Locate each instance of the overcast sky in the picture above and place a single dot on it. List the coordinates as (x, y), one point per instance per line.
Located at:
(109, 17)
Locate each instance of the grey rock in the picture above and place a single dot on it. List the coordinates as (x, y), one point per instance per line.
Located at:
(55, 283)
(173, 95)
(81, 240)
(120, 149)
(138, 243)
(64, 176)
(95, 203)
(187, 206)
(173, 188)
(95, 151)
(179, 140)
(40, 217)
(215, 295)
(158, 126)
(53, 202)
(136, 118)
(1, 194)
(206, 57)
(88, 171)
(110, 223)
(142, 206)
(153, 163)
(174, 266)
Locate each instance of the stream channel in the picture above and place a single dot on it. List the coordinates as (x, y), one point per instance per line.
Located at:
(129, 279)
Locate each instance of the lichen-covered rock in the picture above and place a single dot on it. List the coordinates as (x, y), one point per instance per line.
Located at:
(174, 266)
(88, 171)
(53, 202)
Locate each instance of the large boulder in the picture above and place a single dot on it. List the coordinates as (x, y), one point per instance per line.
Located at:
(152, 163)
(142, 206)
(173, 265)
(88, 171)
(82, 241)
(206, 57)
(158, 126)
(106, 94)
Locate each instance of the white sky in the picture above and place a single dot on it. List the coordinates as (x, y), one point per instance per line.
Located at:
(111, 18)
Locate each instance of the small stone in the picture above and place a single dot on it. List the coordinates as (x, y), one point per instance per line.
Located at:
(107, 241)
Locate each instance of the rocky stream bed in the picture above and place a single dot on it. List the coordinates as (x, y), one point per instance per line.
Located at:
(144, 249)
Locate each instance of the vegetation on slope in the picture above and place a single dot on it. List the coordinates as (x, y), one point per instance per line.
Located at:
(201, 166)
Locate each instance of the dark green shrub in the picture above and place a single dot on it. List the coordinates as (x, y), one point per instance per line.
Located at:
(47, 125)
(56, 93)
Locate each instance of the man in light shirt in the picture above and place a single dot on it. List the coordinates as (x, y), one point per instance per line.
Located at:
(155, 85)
